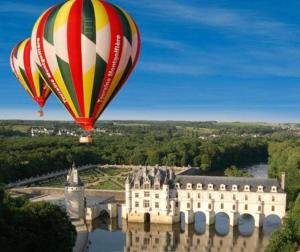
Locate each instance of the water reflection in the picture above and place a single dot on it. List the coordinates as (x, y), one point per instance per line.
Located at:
(117, 235)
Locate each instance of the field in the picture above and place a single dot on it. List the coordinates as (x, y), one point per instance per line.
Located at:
(94, 178)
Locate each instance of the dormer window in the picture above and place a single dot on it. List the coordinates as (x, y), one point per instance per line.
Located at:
(146, 186)
(273, 189)
(260, 188)
(177, 185)
(247, 188)
(189, 186)
(222, 187)
(234, 188)
(210, 187)
(199, 186)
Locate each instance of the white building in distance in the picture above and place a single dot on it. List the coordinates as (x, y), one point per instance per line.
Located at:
(158, 196)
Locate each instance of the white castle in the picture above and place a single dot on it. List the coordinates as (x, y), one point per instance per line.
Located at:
(74, 195)
(159, 196)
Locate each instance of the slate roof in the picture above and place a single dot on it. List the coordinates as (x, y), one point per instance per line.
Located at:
(71, 179)
(267, 183)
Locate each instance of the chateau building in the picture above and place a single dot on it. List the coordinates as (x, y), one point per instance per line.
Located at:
(159, 196)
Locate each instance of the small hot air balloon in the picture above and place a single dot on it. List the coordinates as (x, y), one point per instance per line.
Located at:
(24, 67)
(87, 50)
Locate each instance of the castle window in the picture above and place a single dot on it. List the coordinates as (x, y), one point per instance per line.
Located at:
(210, 186)
(156, 205)
(176, 194)
(259, 208)
(146, 194)
(199, 195)
(273, 188)
(136, 195)
(246, 197)
(234, 197)
(199, 204)
(147, 186)
(246, 207)
(209, 206)
(188, 205)
(156, 187)
(273, 208)
(156, 240)
(259, 197)
(222, 196)
(222, 206)
(136, 186)
(246, 188)
(273, 198)
(188, 195)
(189, 186)
(222, 187)
(260, 188)
(199, 186)
(136, 204)
(209, 196)
(156, 195)
(234, 188)
(146, 203)
(176, 204)
(233, 207)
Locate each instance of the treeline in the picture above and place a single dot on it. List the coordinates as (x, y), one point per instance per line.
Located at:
(22, 157)
(285, 157)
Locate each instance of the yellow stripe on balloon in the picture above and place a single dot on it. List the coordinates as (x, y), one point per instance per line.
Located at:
(88, 80)
(61, 84)
(63, 15)
(20, 56)
(100, 15)
(36, 82)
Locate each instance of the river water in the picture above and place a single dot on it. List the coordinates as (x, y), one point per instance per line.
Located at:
(116, 235)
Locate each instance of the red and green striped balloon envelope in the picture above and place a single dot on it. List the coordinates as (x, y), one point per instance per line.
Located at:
(86, 49)
(24, 67)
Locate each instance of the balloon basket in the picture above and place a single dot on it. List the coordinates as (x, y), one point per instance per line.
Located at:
(40, 113)
(85, 139)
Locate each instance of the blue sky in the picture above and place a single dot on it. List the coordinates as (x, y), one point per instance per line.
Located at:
(200, 60)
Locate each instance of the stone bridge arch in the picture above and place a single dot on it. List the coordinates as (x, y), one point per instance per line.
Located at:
(246, 224)
(271, 222)
(199, 222)
(94, 211)
(222, 223)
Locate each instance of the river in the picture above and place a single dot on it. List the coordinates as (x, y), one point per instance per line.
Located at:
(116, 235)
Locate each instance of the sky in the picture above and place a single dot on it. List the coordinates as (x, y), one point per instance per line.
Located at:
(200, 60)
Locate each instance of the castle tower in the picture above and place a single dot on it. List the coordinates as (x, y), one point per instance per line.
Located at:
(74, 195)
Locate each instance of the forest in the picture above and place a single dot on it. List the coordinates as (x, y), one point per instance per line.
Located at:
(23, 157)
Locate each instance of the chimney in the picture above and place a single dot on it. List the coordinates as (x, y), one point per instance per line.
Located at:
(282, 180)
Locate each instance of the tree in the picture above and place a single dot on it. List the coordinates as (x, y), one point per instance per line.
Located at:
(233, 171)
(27, 226)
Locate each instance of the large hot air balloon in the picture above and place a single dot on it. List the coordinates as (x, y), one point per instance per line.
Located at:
(26, 71)
(87, 50)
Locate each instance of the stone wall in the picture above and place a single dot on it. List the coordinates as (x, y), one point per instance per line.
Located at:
(117, 195)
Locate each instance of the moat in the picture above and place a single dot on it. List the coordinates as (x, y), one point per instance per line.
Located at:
(117, 235)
